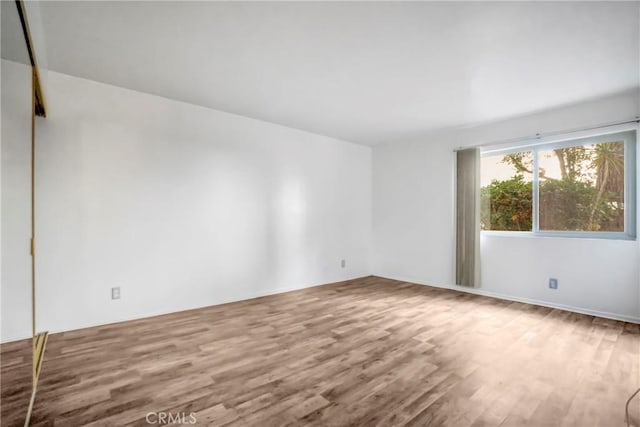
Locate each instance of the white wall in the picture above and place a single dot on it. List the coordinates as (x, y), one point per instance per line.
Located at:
(185, 207)
(413, 204)
(15, 274)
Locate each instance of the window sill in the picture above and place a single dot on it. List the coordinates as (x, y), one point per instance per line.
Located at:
(560, 234)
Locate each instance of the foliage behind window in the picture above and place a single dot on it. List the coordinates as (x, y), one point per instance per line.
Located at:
(581, 187)
(507, 205)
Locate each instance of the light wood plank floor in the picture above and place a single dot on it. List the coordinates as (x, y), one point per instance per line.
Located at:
(15, 381)
(366, 352)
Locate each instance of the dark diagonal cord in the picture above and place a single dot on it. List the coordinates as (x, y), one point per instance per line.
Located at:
(626, 408)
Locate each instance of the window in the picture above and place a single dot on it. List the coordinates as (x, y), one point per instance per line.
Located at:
(581, 187)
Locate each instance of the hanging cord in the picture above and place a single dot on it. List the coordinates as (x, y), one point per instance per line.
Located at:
(626, 408)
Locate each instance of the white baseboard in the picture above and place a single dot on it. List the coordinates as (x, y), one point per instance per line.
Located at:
(479, 291)
(236, 298)
(280, 290)
(14, 338)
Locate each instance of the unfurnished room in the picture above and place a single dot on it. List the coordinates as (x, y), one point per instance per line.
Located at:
(320, 213)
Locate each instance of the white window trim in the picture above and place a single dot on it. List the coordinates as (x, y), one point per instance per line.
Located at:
(568, 140)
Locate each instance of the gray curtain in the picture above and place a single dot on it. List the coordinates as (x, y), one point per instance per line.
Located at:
(468, 218)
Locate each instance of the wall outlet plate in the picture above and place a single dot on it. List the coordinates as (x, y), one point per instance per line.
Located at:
(115, 293)
(343, 263)
(553, 283)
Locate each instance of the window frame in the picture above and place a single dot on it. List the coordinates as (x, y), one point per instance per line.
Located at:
(571, 140)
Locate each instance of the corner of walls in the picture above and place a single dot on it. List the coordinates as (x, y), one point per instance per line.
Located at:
(413, 222)
(183, 207)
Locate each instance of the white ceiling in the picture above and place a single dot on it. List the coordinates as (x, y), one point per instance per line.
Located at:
(363, 72)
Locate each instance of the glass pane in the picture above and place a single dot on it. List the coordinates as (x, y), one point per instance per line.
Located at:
(582, 187)
(15, 167)
(506, 194)
(13, 46)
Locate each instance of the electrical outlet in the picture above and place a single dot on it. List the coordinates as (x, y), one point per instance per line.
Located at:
(343, 263)
(115, 293)
(553, 283)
